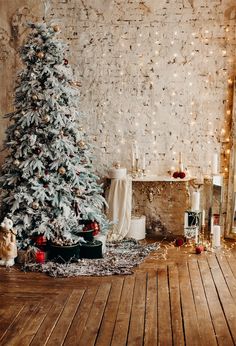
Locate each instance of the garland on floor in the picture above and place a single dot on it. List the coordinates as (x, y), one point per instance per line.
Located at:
(120, 258)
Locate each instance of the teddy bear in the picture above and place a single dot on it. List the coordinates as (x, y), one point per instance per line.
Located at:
(8, 249)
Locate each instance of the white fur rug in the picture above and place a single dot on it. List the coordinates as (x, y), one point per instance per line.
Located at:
(120, 258)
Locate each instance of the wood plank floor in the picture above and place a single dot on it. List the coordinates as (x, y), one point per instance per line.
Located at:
(184, 299)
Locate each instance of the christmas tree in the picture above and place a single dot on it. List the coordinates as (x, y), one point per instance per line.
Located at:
(48, 181)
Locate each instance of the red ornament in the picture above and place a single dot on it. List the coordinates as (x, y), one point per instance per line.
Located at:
(182, 175)
(45, 186)
(37, 151)
(46, 172)
(66, 62)
(179, 242)
(176, 175)
(199, 249)
(41, 240)
(40, 257)
(96, 228)
(93, 225)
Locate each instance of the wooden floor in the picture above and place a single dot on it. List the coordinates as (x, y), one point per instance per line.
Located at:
(185, 299)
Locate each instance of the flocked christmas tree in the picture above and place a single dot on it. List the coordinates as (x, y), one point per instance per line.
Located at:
(48, 181)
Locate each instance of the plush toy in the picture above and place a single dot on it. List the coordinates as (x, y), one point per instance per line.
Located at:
(8, 249)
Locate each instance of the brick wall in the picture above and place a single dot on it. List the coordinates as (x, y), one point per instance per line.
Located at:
(158, 72)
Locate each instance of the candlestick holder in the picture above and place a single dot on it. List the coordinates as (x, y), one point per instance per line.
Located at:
(136, 172)
(143, 172)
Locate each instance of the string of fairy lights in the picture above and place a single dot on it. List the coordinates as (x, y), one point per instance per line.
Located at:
(130, 72)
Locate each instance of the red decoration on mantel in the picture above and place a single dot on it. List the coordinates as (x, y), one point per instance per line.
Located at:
(40, 257)
(180, 175)
(176, 175)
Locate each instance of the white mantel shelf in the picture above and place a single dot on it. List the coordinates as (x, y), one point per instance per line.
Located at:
(160, 178)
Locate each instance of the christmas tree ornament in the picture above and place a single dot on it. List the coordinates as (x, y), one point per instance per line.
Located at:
(62, 170)
(199, 249)
(37, 151)
(35, 205)
(81, 144)
(40, 55)
(182, 175)
(179, 242)
(40, 257)
(46, 119)
(176, 175)
(17, 133)
(81, 129)
(56, 28)
(35, 97)
(16, 163)
(65, 62)
(38, 175)
(77, 192)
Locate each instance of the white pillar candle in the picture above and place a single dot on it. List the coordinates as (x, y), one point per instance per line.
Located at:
(214, 165)
(185, 220)
(181, 166)
(133, 158)
(203, 217)
(196, 236)
(216, 236)
(195, 200)
(144, 163)
(212, 224)
(136, 151)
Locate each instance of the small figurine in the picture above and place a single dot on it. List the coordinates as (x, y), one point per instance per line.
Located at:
(8, 249)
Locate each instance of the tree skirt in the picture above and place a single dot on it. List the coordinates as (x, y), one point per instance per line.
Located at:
(120, 258)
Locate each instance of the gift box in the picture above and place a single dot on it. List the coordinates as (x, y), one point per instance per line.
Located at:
(91, 249)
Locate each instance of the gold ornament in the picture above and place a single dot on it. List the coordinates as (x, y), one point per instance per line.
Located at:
(34, 97)
(35, 205)
(40, 55)
(17, 133)
(80, 128)
(77, 192)
(56, 28)
(16, 163)
(46, 118)
(81, 144)
(62, 170)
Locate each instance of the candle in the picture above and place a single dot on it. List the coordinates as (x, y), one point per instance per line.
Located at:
(196, 235)
(203, 217)
(216, 236)
(181, 167)
(136, 152)
(212, 224)
(215, 164)
(185, 220)
(144, 163)
(195, 200)
(133, 159)
(40, 257)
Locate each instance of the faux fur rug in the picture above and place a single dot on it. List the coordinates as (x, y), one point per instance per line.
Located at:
(120, 258)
